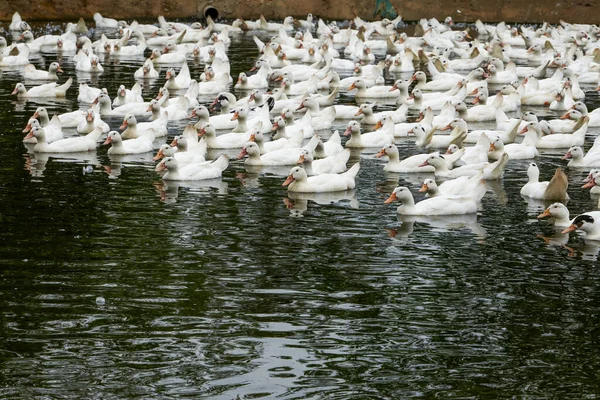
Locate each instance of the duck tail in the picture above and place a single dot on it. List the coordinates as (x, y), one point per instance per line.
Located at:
(353, 171)
(313, 142)
(95, 134)
(202, 147)
(222, 162)
(391, 47)
(498, 167)
(335, 137)
(557, 188)
(136, 89)
(62, 89)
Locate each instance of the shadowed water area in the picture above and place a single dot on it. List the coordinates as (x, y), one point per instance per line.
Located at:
(115, 284)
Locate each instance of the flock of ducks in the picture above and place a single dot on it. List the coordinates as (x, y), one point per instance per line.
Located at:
(451, 81)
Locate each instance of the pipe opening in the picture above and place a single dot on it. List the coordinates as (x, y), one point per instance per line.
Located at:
(210, 11)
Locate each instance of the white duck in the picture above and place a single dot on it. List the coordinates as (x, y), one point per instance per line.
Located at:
(299, 181)
(159, 57)
(439, 205)
(139, 145)
(91, 122)
(559, 212)
(53, 130)
(31, 73)
(331, 147)
(88, 94)
(374, 92)
(126, 96)
(89, 64)
(334, 164)
(491, 171)
(46, 90)
(230, 140)
(578, 159)
(461, 186)
(193, 172)
(146, 71)
(369, 139)
(413, 163)
(560, 140)
(555, 189)
(105, 23)
(133, 129)
(198, 155)
(80, 144)
(182, 80)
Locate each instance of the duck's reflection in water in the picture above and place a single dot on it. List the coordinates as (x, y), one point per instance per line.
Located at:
(168, 191)
(440, 223)
(297, 203)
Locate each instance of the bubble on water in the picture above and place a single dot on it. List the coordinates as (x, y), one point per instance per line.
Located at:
(100, 301)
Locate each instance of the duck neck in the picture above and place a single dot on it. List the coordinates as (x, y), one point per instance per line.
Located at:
(408, 201)
(44, 120)
(534, 176)
(156, 113)
(562, 219)
(281, 133)
(261, 145)
(241, 125)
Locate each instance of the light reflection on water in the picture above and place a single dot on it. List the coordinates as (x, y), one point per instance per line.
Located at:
(220, 289)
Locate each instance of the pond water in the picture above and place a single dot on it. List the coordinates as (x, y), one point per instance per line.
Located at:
(115, 284)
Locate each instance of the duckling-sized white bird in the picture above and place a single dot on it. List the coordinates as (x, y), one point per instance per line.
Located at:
(46, 90)
(589, 223)
(79, 144)
(555, 189)
(559, 212)
(193, 172)
(334, 164)
(139, 145)
(31, 73)
(439, 205)
(299, 181)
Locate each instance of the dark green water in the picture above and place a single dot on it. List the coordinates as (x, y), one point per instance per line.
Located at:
(220, 291)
